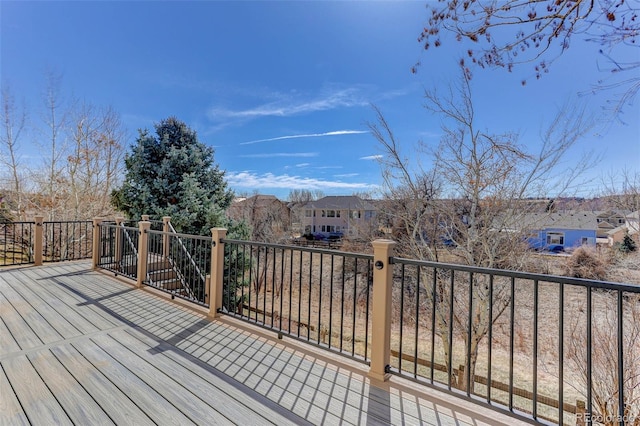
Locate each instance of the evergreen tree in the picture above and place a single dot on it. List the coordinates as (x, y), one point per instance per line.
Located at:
(628, 245)
(172, 174)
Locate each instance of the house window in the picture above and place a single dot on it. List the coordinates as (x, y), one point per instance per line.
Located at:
(324, 213)
(310, 213)
(585, 241)
(307, 229)
(555, 238)
(355, 214)
(331, 213)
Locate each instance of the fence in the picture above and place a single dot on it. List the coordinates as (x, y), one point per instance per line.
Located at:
(38, 241)
(178, 264)
(316, 295)
(16, 243)
(525, 343)
(118, 248)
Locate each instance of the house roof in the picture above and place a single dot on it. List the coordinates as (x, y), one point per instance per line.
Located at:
(340, 202)
(565, 220)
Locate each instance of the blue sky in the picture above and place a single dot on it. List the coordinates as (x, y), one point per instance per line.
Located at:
(282, 90)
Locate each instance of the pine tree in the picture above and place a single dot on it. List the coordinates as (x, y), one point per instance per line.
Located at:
(628, 245)
(173, 174)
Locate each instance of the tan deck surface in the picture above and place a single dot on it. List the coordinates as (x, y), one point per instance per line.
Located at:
(81, 347)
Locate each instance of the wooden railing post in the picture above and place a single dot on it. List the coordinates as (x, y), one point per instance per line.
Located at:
(217, 271)
(95, 251)
(165, 237)
(38, 241)
(381, 310)
(143, 248)
(145, 218)
(118, 240)
(581, 413)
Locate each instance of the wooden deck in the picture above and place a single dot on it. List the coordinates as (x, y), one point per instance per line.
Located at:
(81, 347)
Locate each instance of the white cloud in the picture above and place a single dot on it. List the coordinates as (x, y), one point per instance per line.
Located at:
(348, 97)
(310, 135)
(346, 175)
(303, 165)
(371, 157)
(281, 154)
(252, 180)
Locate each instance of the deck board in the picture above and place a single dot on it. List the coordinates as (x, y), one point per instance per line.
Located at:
(108, 396)
(81, 347)
(11, 412)
(76, 402)
(36, 399)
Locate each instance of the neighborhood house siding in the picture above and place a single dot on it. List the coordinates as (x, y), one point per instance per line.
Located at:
(344, 214)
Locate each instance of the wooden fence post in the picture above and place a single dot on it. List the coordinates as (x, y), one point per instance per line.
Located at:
(381, 310)
(95, 251)
(581, 416)
(118, 240)
(165, 237)
(38, 241)
(143, 248)
(217, 271)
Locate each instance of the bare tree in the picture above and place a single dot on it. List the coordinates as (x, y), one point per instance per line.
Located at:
(94, 163)
(512, 32)
(51, 180)
(473, 197)
(13, 123)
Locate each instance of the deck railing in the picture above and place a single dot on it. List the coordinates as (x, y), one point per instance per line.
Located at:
(177, 264)
(39, 241)
(538, 347)
(118, 248)
(67, 240)
(535, 345)
(16, 243)
(316, 295)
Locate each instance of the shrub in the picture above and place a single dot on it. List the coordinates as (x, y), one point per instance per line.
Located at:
(585, 263)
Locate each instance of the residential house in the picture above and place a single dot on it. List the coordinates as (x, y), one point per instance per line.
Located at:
(609, 220)
(566, 229)
(631, 227)
(347, 215)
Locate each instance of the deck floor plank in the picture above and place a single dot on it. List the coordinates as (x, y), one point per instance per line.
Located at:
(106, 394)
(77, 403)
(55, 303)
(205, 381)
(16, 325)
(146, 397)
(9, 344)
(11, 412)
(55, 287)
(57, 322)
(39, 404)
(165, 383)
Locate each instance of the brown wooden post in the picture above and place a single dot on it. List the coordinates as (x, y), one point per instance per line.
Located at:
(165, 237)
(461, 383)
(38, 241)
(581, 416)
(207, 289)
(95, 253)
(217, 271)
(381, 310)
(143, 248)
(145, 218)
(119, 238)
